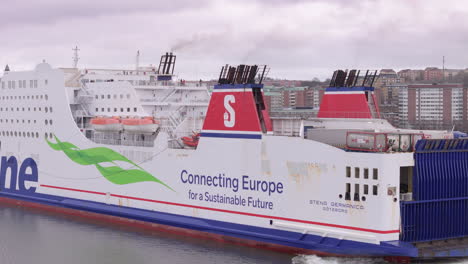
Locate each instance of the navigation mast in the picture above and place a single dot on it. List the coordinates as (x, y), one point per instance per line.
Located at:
(137, 62)
(75, 57)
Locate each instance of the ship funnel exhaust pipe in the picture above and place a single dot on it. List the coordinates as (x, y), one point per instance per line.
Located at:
(167, 64)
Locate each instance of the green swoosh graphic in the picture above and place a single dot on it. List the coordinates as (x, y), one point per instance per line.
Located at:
(94, 156)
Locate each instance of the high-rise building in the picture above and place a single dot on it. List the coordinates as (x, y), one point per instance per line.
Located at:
(435, 106)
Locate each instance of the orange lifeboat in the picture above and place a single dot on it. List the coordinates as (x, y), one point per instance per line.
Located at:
(191, 141)
(140, 125)
(106, 124)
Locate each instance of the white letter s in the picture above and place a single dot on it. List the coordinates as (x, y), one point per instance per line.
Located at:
(229, 115)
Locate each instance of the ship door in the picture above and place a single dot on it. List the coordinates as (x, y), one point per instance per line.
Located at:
(406, 183)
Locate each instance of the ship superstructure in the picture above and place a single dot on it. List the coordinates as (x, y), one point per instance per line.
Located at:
(177, 106)
(142, 145)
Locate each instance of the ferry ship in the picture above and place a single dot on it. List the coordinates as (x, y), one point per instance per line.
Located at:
(144, 147)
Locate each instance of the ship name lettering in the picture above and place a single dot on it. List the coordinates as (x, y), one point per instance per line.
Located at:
(28, 172)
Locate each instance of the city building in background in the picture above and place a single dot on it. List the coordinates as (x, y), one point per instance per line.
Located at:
(433, 74)
(301, 97)
(409, 75)
(434, 106)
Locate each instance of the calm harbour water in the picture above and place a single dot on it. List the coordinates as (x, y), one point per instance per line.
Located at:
(33, 237)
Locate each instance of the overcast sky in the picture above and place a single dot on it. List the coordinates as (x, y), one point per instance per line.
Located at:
(298, 39)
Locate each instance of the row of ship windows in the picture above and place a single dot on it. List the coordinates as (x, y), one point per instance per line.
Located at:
(24, 97)
(24, 134)
(109, 96)
(21, 84)
(357, 195)
(46, 109)
(115, 109)
(12, 121)
(357, 171)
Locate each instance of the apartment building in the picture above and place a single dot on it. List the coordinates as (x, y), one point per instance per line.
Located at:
(436, 106)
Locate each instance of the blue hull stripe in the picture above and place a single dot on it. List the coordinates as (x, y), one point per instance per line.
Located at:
(267, 235)
(225, 135)
(349, 89)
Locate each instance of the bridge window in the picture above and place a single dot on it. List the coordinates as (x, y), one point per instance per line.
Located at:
(375, 190)
(375, 174)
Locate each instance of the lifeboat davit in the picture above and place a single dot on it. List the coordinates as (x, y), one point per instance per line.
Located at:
(106, 124)
(140, 125)
(191, 141)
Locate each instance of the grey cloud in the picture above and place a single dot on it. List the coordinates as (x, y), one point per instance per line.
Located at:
(48, 11)
(298, 39)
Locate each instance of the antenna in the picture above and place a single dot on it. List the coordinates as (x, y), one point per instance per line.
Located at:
(75, 57)
(137, 61)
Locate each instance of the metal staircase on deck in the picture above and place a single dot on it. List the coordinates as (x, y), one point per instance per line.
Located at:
(171, 125)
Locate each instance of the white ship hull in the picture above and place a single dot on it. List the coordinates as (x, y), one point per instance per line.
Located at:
(284, 191)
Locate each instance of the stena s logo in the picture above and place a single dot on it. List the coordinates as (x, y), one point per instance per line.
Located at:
(229, 115)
